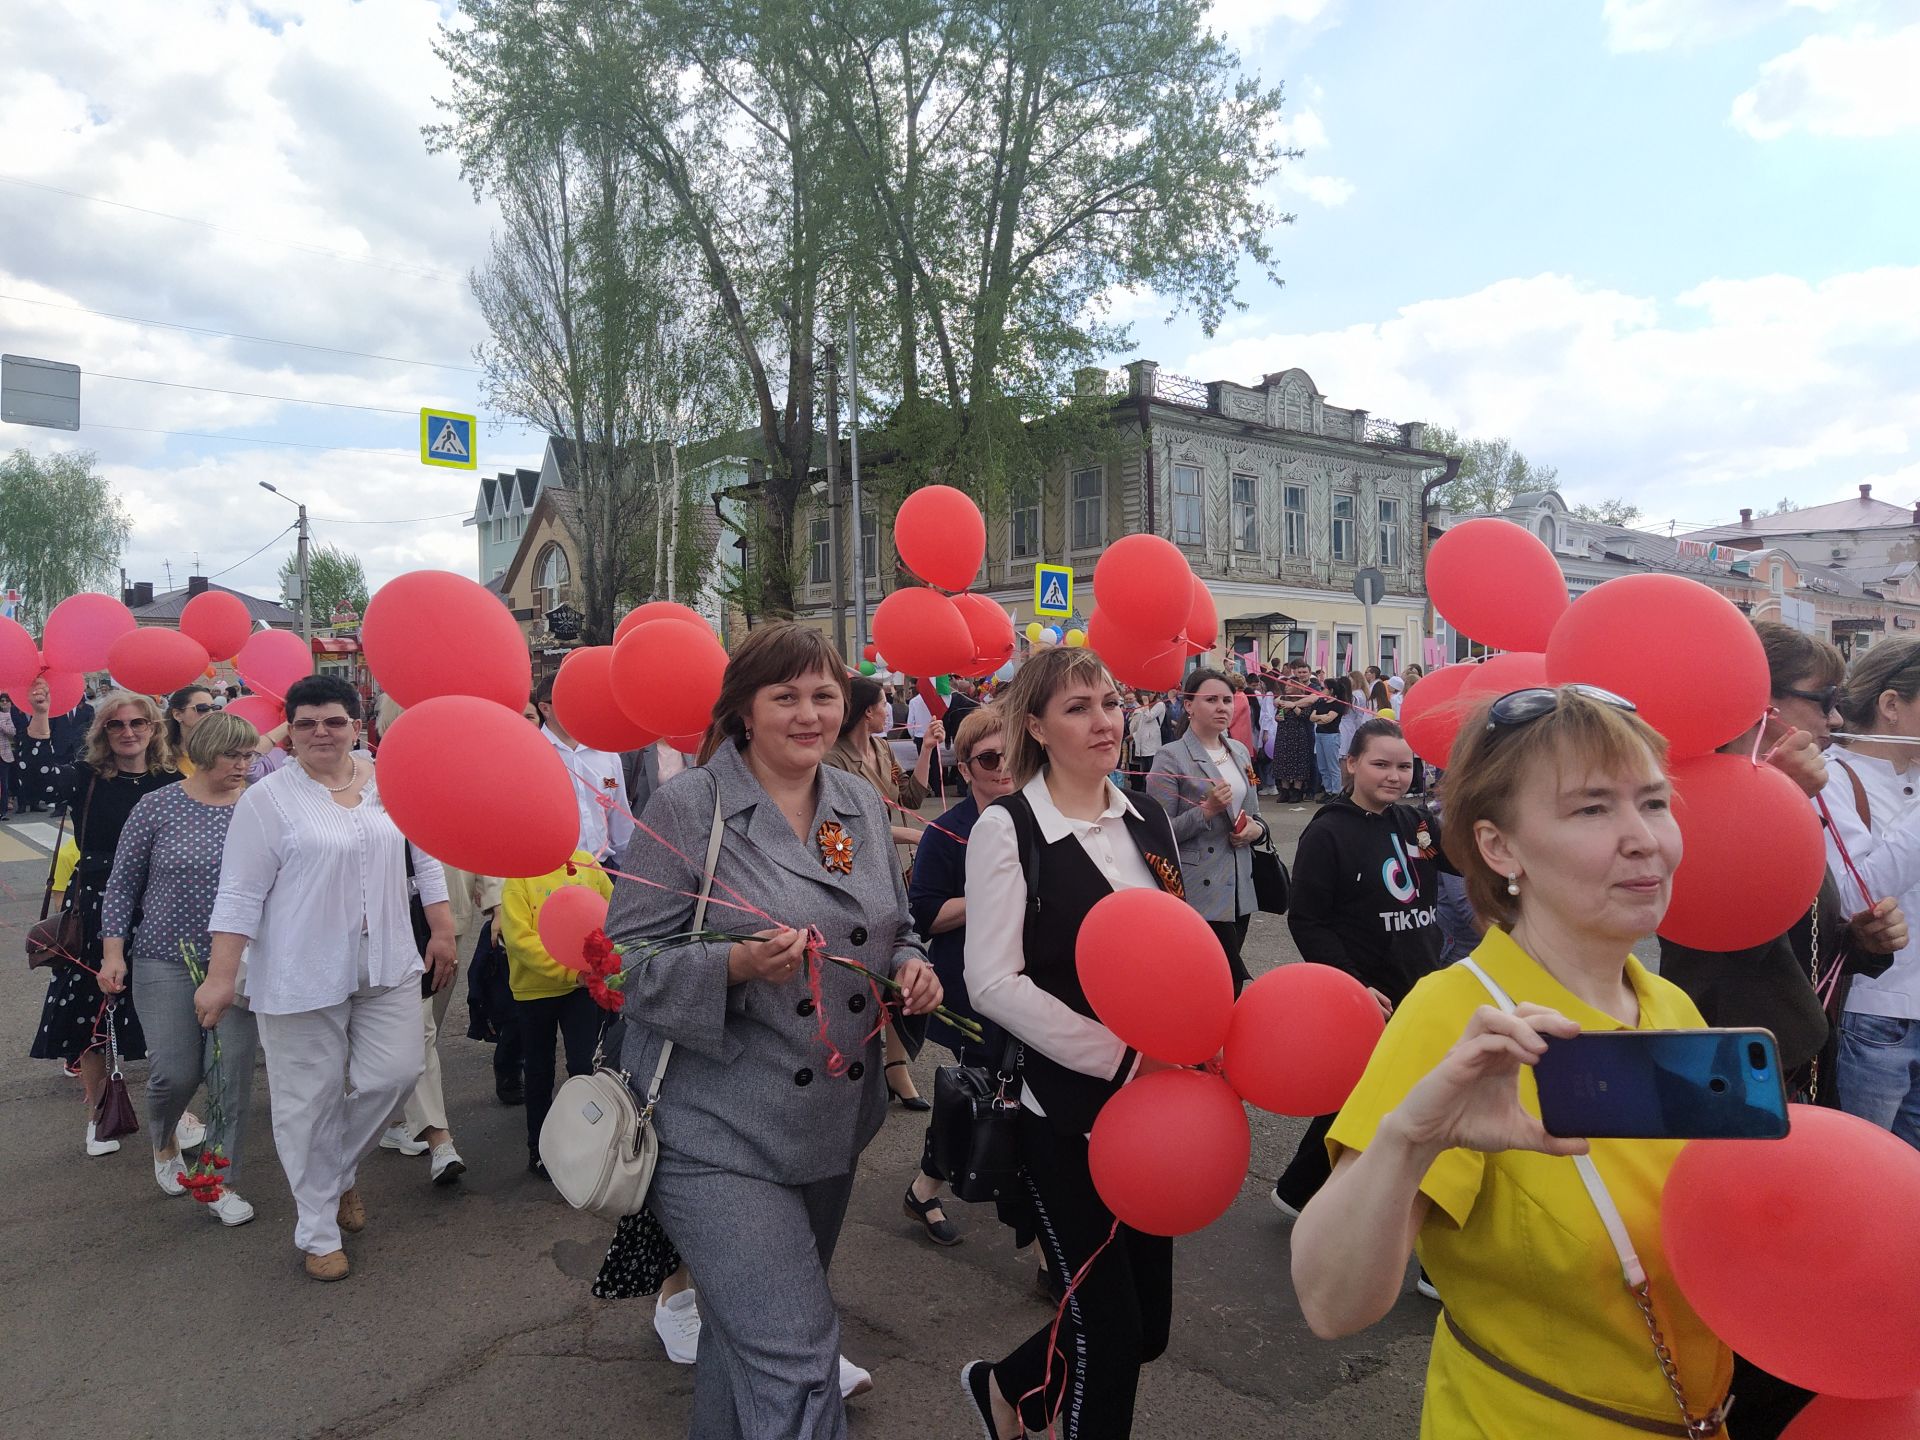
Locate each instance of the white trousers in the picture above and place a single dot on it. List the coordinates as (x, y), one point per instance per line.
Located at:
(426, 1107)
(335, 1077)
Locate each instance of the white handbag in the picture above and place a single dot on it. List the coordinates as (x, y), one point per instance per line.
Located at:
(597, 1143)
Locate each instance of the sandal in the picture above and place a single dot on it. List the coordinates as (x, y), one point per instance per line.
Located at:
(940, 1231)
(910, 1102)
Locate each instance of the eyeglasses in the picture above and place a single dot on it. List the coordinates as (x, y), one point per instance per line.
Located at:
(240, 757)
(987, 760)
(1523, 707)
(1827, 699)
(201, 709)
(129, 725)
(333, 724)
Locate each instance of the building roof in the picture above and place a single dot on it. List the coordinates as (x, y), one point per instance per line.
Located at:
(1862, 512)
(167, 607)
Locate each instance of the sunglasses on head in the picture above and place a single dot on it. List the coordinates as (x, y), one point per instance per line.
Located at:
(987, 760)
(1827, 699)
(1523, 707)
(128, 725)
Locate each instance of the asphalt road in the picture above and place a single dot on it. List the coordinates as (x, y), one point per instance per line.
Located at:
(128, 1313)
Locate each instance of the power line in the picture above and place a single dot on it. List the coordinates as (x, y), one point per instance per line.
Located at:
(261, 551)
(400, 268)
(411, 520)
(245, 439)
(233, 335)
(248, 394)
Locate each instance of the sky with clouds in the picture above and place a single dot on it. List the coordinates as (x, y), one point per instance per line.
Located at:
(1670, 246)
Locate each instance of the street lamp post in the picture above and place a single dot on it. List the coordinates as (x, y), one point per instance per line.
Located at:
(306, 598)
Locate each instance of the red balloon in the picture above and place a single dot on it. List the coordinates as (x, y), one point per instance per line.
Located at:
(584, 704)
(259, 711)
(1433, 711)
(1148, 664)
(1155, 974)
(567, 917)
(922, 632)
(1730, 892)
(1499, 674)
(1801, 1253)
(658, 610)
(65, 690)
(431, 632)
(81, 629)
(219, 621)
(1145, 584)
(687, 744)
(271, 660)
(1678, 650)
(666, 675)
(1169, 1152)
(992, 632)
(155, 660)
(941, 536)
(19, 657)
(1300, 1039)
(425, 774)
(1831, 1418)
(870, 652)
(1203, 620)
(936, 702)
(1494, 582)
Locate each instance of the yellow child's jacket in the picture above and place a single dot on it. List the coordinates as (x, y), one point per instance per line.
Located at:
(532, 973)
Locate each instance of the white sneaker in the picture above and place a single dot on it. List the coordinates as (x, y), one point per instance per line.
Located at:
(395, 1137)
(168, 1173)
(853, 1380)
(230, 1209)
(189, 1133)
(447, 1164)
(677, 1323)
(99, 1147)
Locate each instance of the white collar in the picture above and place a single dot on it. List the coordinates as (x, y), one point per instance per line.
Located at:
(562, 746)
(1054, 826)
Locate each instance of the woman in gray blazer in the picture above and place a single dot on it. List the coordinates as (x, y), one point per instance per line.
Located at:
(1205, 783)
(773, 1086)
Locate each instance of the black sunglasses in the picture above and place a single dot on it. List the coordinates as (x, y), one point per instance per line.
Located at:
(201, 709)
(987, 760)
(1827, 699)
(1523, 707)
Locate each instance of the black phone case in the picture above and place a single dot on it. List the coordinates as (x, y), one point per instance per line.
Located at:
(1663, 1084)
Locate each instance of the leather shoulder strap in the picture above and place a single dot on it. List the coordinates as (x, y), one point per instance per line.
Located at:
(1861, 805)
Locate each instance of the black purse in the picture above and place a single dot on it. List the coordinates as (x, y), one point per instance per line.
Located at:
(1270, 880)
(976, 1143)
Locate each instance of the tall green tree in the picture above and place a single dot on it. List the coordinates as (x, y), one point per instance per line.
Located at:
(336, 577)
(61, 529)
(1492, 471)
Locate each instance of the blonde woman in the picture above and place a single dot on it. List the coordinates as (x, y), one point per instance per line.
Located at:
(124, 757)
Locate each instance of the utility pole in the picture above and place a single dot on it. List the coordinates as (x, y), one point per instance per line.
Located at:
(306, 588)
(833, 507)
(853, 485)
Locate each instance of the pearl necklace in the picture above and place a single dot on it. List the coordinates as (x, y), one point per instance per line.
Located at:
(353, 774)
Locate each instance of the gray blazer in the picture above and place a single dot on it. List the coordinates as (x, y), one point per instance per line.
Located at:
(1219, 877)
(642, 771)
(748, 1087)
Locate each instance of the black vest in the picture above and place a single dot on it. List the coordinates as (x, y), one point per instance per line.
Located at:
(1063, 884)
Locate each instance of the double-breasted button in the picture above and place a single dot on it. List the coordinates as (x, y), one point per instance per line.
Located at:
(859, 935)
(857, 1003)
(804, 1008)
(803, 1076)
(856, 1070)
(1206, 882)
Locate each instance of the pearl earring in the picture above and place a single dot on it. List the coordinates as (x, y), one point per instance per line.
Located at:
(1513, 883)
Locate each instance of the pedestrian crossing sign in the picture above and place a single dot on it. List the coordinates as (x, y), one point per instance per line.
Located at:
(1053, 590)
(446, 438)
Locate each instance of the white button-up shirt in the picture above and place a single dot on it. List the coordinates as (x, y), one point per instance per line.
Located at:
(596, 773)
(996, 961)
(309, 882)
(1888, 860)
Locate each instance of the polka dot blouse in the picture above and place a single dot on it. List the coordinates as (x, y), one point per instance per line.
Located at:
(165, 875)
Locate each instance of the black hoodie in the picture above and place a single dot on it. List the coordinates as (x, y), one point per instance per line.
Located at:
(1363, 894)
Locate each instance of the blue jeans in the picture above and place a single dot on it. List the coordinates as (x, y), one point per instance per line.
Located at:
(1326, 754)
(1880, 1072)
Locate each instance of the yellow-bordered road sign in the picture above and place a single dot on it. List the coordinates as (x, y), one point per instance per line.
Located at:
(446, 438)
(1053, 590)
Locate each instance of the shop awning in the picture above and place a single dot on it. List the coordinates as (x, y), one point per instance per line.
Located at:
(1273, 620)
(335, 645)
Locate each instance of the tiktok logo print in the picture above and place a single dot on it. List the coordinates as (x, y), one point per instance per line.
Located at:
(1398, 874)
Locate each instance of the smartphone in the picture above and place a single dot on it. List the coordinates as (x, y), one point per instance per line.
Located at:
(1663, 1085)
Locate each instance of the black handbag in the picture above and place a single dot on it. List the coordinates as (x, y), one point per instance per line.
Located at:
(64, 936)
(976, 1142)
(113, 1114)
(1270, 880)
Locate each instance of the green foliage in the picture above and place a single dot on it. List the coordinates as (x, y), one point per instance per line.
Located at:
(336, 577)
(1492, 471)
(61, 529)
(1615, 511)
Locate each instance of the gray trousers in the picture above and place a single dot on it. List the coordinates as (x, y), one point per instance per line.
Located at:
(769, 1363)
(179, 1052)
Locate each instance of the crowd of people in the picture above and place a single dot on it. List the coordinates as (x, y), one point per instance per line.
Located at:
(239, 892)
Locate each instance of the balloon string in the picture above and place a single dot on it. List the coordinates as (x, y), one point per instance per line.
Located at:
(1053, 1335)
(607, 802)
(1826, 818)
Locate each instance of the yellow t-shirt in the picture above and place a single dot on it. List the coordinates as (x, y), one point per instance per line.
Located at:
(1513, 1242)
(532, 973)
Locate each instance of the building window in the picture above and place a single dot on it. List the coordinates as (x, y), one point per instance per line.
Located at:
(1343, 529)
(1293, 504)
(870, 547)
(1189, 522)
(552, 579)
(1390, 534)
(1346, 653)
(1389, 652)
(820, 535)
(1297, 642)
(1026, 532)
(1089, 510)
(1246, 515)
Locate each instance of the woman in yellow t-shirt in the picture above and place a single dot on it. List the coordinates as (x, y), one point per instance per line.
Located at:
(1558, 817)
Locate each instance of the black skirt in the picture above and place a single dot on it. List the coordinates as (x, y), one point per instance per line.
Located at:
(75, 1014)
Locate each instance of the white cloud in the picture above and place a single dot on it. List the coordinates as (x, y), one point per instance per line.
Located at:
(1684, 24)
(1858, 85)
(1302, 129)
(1245, 20)
(1728, 394)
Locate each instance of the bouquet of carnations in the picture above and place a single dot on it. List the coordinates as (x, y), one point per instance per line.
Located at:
(204, 1173)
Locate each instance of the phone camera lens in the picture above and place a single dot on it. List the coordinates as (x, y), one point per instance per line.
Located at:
(1718, 1085)
(1757, 1055)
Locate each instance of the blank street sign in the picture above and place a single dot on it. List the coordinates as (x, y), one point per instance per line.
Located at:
(39, 392)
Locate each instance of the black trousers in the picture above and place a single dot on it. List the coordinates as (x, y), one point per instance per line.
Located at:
(1115, 1322)
(1310, 1168)
(573, 1018)
(1233, 934)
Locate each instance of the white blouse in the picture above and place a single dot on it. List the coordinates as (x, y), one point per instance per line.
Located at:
(1888, 859)
(308, 881)
(997, 982)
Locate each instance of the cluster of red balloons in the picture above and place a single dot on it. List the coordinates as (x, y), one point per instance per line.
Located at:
(1693, 667)
(941, 537)
(1153, 613)
(91, 632)
(567, 917)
